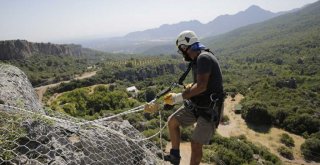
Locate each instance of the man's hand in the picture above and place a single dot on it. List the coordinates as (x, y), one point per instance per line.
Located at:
(173, 98)
(188, 86)
(151, 107)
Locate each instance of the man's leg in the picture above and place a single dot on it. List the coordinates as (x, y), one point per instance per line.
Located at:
(196, 153)
(174, 131)
(182, 117)
(200, 136)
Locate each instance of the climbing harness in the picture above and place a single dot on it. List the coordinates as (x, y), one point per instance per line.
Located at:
(215, 99)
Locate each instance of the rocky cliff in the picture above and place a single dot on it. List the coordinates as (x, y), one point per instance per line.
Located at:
(53, 138)
(19, 49)
(16, 90)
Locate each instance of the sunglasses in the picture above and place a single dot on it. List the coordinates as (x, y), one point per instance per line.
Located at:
(183, 49)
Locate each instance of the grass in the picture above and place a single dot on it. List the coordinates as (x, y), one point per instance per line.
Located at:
(10, 131)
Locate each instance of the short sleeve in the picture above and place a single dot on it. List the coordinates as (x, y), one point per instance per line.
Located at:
(204, 64)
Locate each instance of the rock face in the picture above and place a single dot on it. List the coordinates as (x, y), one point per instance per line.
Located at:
(19, 49)
(43, 141)
(49, 137)
(16, 90)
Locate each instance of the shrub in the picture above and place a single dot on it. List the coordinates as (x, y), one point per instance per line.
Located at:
(228, 157)
(150, 94)
(285, 152)
(186, 133)
(311, 149)
(208, 155)
(256, 112)
(225, 118)
(301, 123)
(287, 140)
(1, 101)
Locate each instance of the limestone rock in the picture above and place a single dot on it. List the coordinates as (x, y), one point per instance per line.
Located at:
(16, 90)
(19, 49)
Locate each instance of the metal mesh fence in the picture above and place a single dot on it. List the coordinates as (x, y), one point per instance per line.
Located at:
(29, 138)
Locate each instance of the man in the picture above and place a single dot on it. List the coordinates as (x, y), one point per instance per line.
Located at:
(203, 101)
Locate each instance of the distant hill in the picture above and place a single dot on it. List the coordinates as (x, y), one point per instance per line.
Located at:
(144, 41)
(226, 23)
(219, 25)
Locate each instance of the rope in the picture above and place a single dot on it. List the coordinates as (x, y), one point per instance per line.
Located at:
(95, 122)
(133, 110)
(79, 124)
(162, 155)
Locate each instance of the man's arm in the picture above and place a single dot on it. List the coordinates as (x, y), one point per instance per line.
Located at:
(197, 88)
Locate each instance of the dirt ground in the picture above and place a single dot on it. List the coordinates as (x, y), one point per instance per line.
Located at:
(268, 137)
(42, 89)
(185, 152)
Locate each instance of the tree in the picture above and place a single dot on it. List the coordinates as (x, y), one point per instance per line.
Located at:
(301, 123)
(150, 94)
(129, 65)
(311, 149)
(256, 112)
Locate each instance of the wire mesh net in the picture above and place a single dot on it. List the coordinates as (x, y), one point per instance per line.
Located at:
(29, 138)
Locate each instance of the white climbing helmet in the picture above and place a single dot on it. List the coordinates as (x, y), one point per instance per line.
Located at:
(186, 37)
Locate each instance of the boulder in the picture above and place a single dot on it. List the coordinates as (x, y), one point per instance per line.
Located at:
(16, 90)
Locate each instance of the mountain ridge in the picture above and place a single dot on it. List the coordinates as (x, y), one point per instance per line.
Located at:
(250, 15)
(155, 37)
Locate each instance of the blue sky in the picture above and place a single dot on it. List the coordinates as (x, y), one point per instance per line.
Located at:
(52, 20)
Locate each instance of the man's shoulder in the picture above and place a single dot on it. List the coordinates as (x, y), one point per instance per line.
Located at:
(207, 55)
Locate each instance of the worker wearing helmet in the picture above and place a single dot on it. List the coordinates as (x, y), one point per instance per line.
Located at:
(203, 101)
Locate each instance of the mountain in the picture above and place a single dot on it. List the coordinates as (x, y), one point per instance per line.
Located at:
(299, 28)
(219, 25)
(164, 32)
(144, 41)
(226, 23)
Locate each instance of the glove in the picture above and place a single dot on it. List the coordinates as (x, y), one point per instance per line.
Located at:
(151, 107)
(188, 85)
(173, 98)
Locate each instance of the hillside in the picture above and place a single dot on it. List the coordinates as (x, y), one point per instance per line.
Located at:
(283, 47)
(278, 64)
